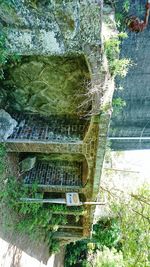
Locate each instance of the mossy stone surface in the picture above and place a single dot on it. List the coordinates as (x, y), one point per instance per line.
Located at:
(48, 85)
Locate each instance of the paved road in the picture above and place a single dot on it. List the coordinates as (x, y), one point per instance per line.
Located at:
(12, 256)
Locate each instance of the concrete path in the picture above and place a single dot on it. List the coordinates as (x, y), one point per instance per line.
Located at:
(12, 256)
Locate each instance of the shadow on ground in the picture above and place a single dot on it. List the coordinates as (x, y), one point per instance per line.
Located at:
(12, 256)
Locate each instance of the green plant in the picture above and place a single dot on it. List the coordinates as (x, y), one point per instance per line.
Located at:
(112, 48)
(2, 159)
(76, 253)
(118, 67)
(63, 209)
(118, 104)
(108, 258)
(53, 244)
(5, 57)
(35, 220)
(8, 2)
(39, 223)
(32, 3)
(134, 218)
(122, 14)
(132, 211)
(126, 5)
(2, 151)
(105, 233)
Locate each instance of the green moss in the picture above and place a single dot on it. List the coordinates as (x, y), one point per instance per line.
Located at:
(66, 21)
(27, 218)
(8, 12)
(48, 85)
(61, 157)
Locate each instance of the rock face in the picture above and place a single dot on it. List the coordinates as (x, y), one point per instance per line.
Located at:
(27, 164)
(54, 85)
(7, 125)
(66, 30)
(50, 27)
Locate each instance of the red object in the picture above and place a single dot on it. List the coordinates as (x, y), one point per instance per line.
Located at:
(137, 25)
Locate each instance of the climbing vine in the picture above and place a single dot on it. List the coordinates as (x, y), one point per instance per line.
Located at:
(35, 220)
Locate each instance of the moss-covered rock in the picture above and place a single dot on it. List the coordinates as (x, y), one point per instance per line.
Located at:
(48, 85)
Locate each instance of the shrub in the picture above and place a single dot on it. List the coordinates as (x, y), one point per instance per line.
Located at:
(33, 219)
(108, 258)
(106, 233)
(118, 104)
(5, 57)
(112, 49)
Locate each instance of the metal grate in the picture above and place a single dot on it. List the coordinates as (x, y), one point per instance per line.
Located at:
(52, 128)
(55, 173)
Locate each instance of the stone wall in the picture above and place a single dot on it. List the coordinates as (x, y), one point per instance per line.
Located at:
(47, 85)
(61, 61)
(64, 27)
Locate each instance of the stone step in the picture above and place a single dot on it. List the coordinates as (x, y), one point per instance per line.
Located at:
(66, 233)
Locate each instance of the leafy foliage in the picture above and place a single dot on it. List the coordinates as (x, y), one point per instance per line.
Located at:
(112, 49)
(106, 233)
(122, 14)
(134, 217)
(128, 233)
(76, 253)
(63, 209)
(132, 211)
(2, 155)
(118, 104)
(35, 220)
(107, 258)
(5, 57)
